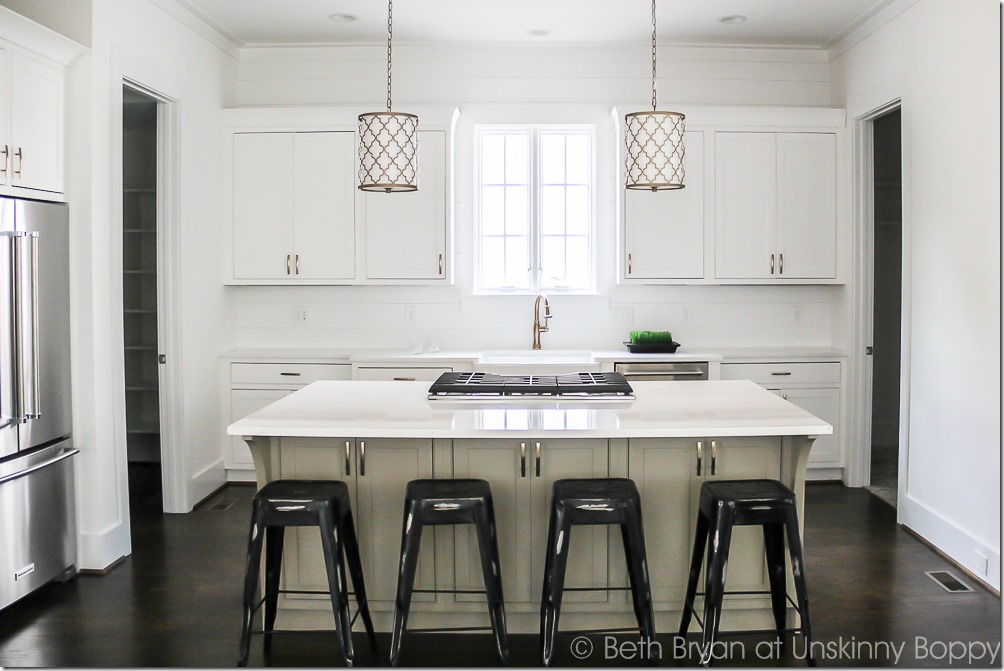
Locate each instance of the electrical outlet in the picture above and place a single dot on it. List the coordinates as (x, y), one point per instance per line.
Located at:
(796, 314)
(300, 314)
(982, 564)
(622, 316)
(410, 315)
(687, 314)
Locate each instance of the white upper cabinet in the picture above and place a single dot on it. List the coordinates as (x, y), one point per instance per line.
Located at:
(293, 206)
(664, 230)
(406, 233)
(775, 206)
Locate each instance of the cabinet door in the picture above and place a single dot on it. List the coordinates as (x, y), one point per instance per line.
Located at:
(743, 459)
(36, 119)
(303, 558)
(745, 202)
(384, 468)
(242, 403)
(664, 232)
(824, 404)
(663, 469)
(587, 548)
(406, 232)
(263, 206)
(324, 206)
(402, 374)
(806, 206)
(498, 462)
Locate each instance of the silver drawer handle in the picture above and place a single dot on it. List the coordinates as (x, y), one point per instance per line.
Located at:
(782, 373)
(290, 374)
(664, 373)
(404, 379)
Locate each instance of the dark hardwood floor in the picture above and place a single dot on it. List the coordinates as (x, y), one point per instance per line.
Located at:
(176, 602)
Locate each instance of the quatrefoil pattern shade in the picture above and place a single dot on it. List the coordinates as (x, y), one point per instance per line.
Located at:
(388, 152)
(654, 150)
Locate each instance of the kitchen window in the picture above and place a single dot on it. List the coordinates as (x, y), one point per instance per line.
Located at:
(534, 208)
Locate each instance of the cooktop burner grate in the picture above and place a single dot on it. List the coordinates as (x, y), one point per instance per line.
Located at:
(492, 384)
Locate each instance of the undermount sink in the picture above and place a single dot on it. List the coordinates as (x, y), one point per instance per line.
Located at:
(540, 361)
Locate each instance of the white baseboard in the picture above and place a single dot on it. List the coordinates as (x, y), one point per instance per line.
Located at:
(241, 475)
(949, 539)
(98, 551)
(821, 474)
(208, 480)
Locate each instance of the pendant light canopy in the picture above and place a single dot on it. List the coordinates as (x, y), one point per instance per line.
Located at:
(388, 141)
(653, 141)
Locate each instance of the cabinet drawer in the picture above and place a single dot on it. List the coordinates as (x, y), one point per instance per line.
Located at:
(772, 374)
(288, 373)
(419, 373)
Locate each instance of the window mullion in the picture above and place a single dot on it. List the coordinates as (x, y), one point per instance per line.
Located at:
(535, 223)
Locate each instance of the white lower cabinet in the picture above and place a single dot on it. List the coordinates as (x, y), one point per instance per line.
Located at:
(401, 373)
(377, 472)
(669, 473)
(522, 475)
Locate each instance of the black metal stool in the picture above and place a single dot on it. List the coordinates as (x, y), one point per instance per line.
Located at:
(433, 502)
(593, 501)
(295, 503)
(724, 505)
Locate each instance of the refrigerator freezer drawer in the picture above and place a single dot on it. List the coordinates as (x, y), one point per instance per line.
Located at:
(37, 521)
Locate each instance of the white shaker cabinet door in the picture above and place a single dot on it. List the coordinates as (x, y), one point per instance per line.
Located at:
(745, 202)
(36, 120)
(807, 205)
(263, 206)
(406, 232)
(664, 230)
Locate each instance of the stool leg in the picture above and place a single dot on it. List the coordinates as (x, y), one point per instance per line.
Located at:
(798, 573)
(334, 562)
(485, 525)
(558, 537)
(411, 541)
(700, 540)
(252, 564)
(714, 590)
(356, 571)
(273, 570)
(773, 542)
(637, 561)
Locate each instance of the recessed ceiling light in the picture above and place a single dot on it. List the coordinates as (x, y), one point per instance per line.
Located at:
(343, 18)
(539, 32)
(735, 18)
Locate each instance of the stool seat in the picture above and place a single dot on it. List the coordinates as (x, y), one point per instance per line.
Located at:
(725, 504)
(589, 501)
(327, 505)
(449, 501)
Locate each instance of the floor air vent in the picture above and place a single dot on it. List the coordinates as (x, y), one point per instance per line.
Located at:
(222, 504)
(949, 581)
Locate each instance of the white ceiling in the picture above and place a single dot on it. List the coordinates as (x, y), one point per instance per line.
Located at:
(791, 23)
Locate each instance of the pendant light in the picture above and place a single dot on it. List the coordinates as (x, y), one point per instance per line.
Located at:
(654, 143)
(388, 141)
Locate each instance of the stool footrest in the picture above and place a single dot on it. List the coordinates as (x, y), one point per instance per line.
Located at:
(447, 630)
(596, 589)
(448, 591)
(614, 630)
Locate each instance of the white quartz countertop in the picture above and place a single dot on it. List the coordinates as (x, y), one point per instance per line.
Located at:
(358, 409)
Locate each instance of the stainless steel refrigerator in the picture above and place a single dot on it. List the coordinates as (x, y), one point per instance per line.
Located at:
(37, 512)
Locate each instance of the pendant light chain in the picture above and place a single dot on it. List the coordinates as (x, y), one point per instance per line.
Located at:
(654, 103)
(390, 39)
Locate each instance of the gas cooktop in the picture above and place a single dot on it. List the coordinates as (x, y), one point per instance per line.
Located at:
(577, 385)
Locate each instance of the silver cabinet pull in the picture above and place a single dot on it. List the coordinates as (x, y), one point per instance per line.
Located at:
(537, 469)
(700, 449)
(6, 158)
(780, 263)
(783, 372)
(771, 264)
(404, 379)
(348, 460)
(714, 456)
(20, 162)
(440, 264)
(287, 264)
(522, 460)
(629, 264)
(290, 374)
(362, 458)
(297, 264)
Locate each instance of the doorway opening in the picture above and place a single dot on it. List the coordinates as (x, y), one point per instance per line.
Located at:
(140, 298)
(887, 292)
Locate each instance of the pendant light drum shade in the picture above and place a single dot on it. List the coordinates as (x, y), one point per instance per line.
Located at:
(388, 152)
(654, 150)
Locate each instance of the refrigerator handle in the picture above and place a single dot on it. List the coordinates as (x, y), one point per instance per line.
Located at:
(25, 290)
(13, 249)
(35, 411)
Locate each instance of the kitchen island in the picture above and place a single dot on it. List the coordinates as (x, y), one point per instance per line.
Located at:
(670, 439)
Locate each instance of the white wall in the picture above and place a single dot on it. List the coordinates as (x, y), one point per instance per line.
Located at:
(139, 40)
(943, 60)
(529, 82)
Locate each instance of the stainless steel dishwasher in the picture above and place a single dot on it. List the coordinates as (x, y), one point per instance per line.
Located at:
(683, 371)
